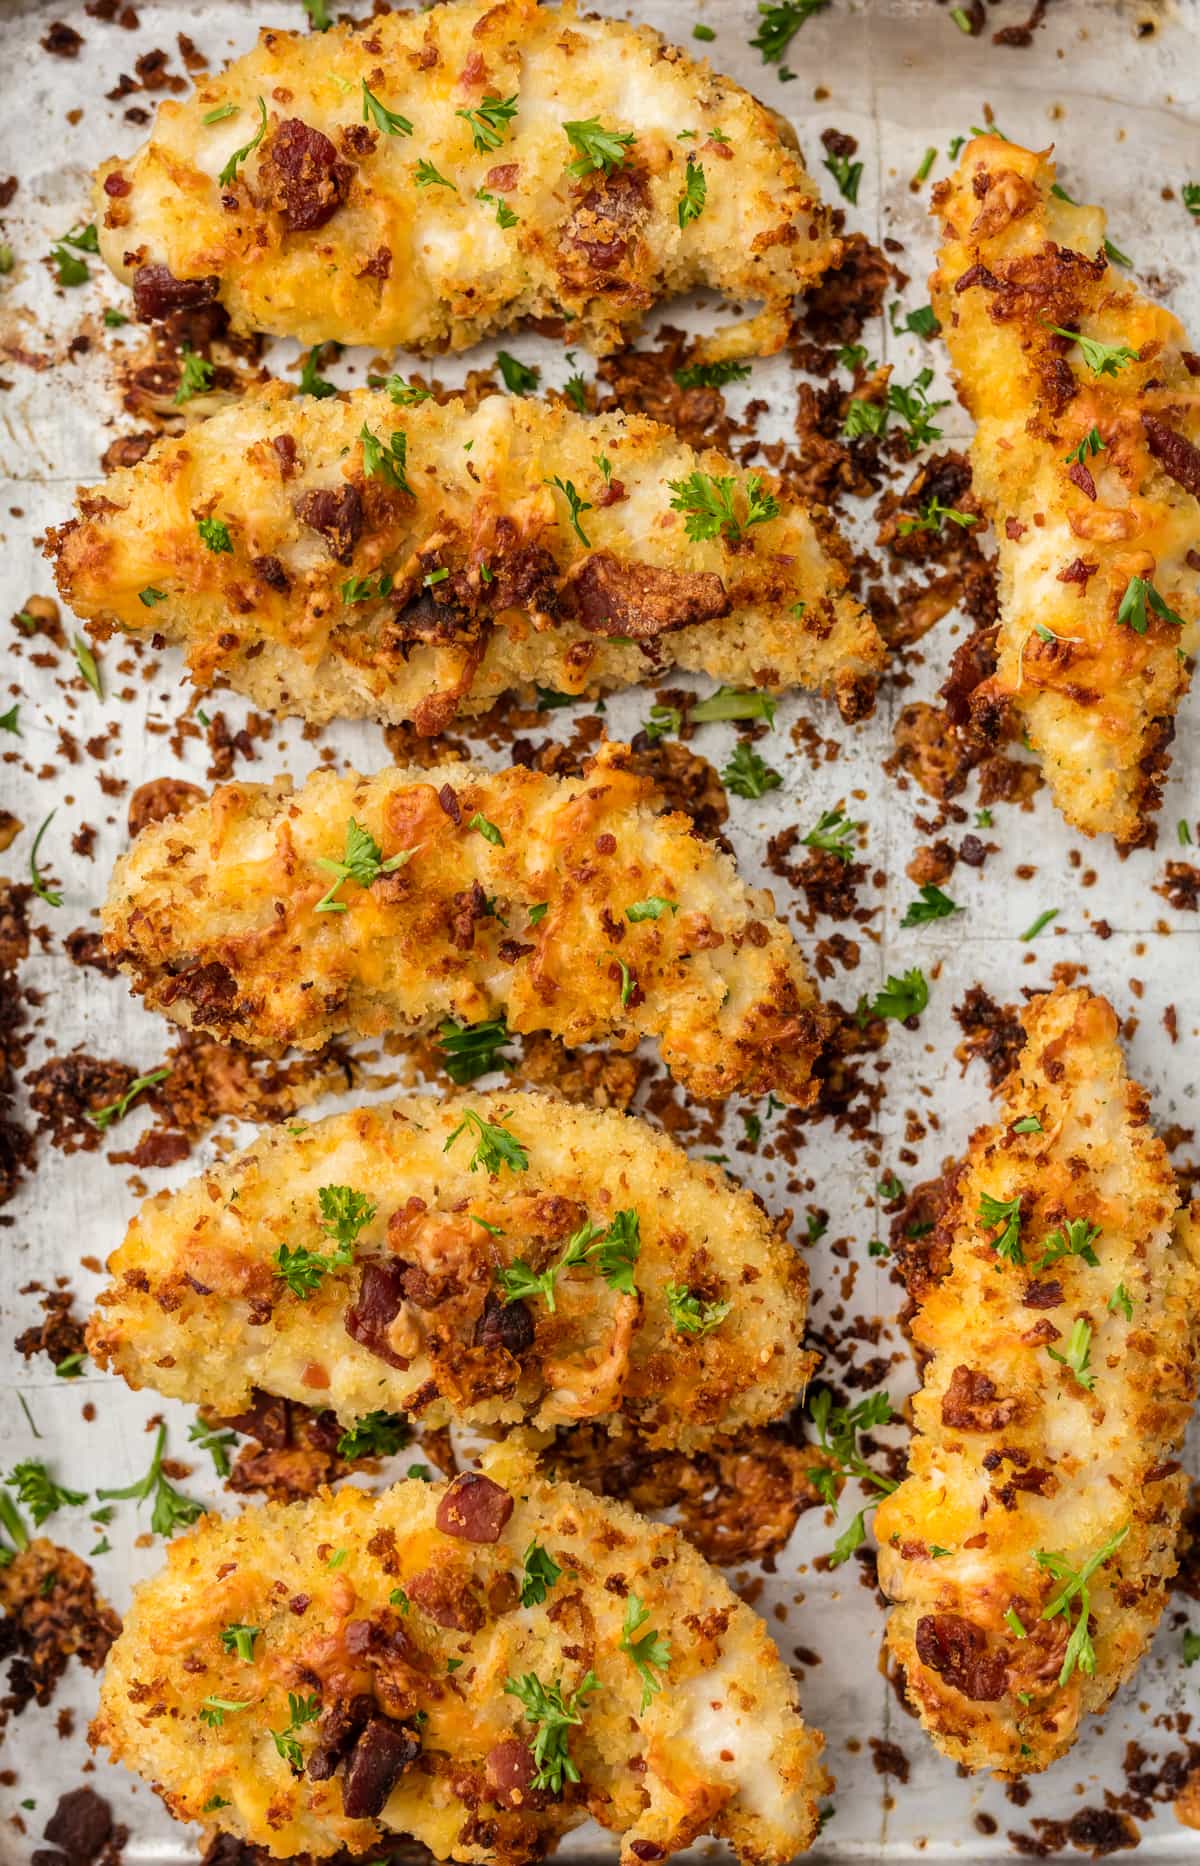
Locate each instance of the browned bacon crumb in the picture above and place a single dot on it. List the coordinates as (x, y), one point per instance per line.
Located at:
(1181, 886)
(16, 1143)
(59, 1334)
(66, 1093)
(53, 1614)
(294, 1453)
(992, 1034)
(81, 1828)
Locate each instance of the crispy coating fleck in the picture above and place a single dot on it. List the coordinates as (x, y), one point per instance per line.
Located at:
(197, 1311)
(508, 892)
(344, 597)
(365, 1603)
(1096, 698)
(339, 226)
(1056, 1392)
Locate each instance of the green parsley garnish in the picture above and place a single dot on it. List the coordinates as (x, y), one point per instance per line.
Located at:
(1028, 1124)
(215, 533)
(494, 1145)
(695, 193)
(376, 1435)
(405, 394)
(1078, 1355)
(519, 378)
(651, 1654)
(652, 908)
(1140, 596)
(596, 147)
(1103, 359)
(933, 905)
(487, 829)
(748, 775)
(540, 1573)
(690, 1314)
(1074, 1239)
(150, 596)
(85, 660)
(362, 590)
(781, 20)
(1080, 1651)
(471, 1050)
(1119, 1303)
(1043, 920)
(838, 1429)
(900, 998)
(427, 176)
(616, 1251)
(301, 1711)
(576, 504)
(552, 1716)
(228, 174)
(213, 1710)
(8, 721)
(931, 518)
(240, 1639)
(50, 895)
(864, 418)
(386, 460)
(834, 834)
(117, 1110)
(1089, 445)
(708, 505)
(344, 1214)
(220, 113)
(386, 120)
(172, 1510)
(847, 175)
(195, 377)
(711, 375)
(312, 383)
(912, 404)
(38, 1492)
(923, 321)
(1007, 1214)
(362, 861)
(215, 1442)
(504, 213)
(489, 121)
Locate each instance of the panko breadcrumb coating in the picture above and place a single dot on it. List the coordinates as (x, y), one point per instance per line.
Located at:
(1087, 459)
(357, 906)
(426, 177)
(480, 1665)
(423, 590)
(1061, 1371)
(683, 1313)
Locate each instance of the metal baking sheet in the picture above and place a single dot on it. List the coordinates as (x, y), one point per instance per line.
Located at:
(1116, 86)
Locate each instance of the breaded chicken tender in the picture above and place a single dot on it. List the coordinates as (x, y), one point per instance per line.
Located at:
(480, 1665)
(1030, 1548)
(566, 904)
(426, 177)
(346, 582)
(594, 1273)
(1087, 459)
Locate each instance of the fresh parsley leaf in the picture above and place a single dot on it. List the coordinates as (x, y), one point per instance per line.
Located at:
(596, 148)
(1043, 920)
(8, 721)
(220, 113)
(70, 1367)
(215, 1442)
(386, 460)
(50, 895)
(1140, 596)
(913, 406)
(1119, 1303)
(1028, 1124)
(923, 321)
(541, 1571)
(427, 176)
(1007, 1214)
(362, 862)
(690, 1314)
(489, 121)
(652, 908)
(834, 834)
(1079, 1651)
(215, 533)
(864, 418)
(38, 1491)
(301, 1711)
(552, 1715)
(504, 213)
(311, 382)
(933, 905)
(576, 504)
(519, 378)
(228, 174)
(319, 17)
(344, 1213)
(1073, 1239)
(708, 505)
(1191, 198)
(149, 597)
(494, 1145)
(903, 997)
(196, 376)
(651, 1654)
(171, 1509)
(1191, 1646)
(405, 394)
(838, 1430)
(1090, 444)
(732, 703)
(116, 1111)
(712, 375)
(386, 120)
(376, 1435)
(616, 1253)
(213, 1710)
(487, 829)
(931, 518)
(85, 660)
(695, 193)
(362, 590)
(847, 175)
(780, 21)
(471, 1050)
(1078, 1355)
(240, 1639)
(748, 775)
(1103, 359)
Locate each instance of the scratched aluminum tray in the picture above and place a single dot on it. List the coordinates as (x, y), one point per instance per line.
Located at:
(1117, 87)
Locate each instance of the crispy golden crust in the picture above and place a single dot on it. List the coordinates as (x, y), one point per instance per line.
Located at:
(197, 1310)
(214, 914)
(1098, 702)
(328, 233)
(1011, 1454)
(292, 614)
(720, 1749)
